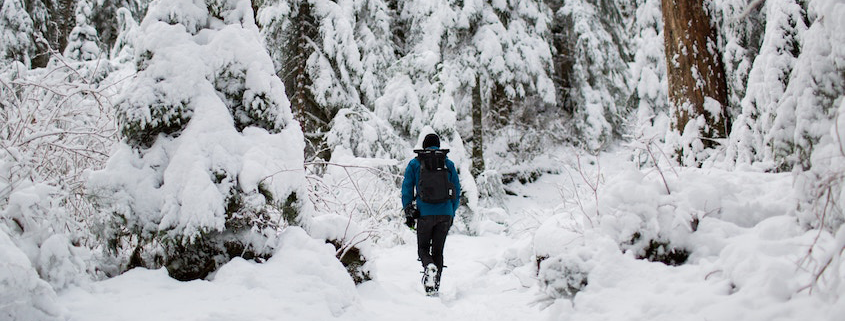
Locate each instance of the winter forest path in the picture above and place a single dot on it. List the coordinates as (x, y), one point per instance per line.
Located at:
(300, 283)
(470, 290)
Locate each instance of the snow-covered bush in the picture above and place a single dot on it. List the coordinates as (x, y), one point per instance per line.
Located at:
(657, 250)
(25, 296)
(561, 269)
(212, 164)
(353, 244)
(656, 216)
(491, 191)
(365, 191)
(57, 124)
(566, 253)
(563, 276)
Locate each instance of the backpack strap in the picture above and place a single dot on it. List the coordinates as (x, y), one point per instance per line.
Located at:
(432, 159)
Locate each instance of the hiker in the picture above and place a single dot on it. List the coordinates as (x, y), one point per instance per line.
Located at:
(432, 181)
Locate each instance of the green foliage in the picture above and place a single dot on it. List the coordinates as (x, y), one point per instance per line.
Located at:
(248, 108)
(658, 250)
(165, 118)
(291, 208)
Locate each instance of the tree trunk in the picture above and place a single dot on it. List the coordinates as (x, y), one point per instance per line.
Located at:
(477, 130)
(299, 43)
(694, 69)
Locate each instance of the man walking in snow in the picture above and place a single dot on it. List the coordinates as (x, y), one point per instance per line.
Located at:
(432, 181)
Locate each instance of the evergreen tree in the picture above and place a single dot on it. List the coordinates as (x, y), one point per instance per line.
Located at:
(126, 25)
(649, 72)
(318, 47)
(53, 21)
(767, 80)
(739, 26)
(374, 38)
(105, 17)
(591, 69)
(805, 112)
(82, 41)
(208, 170)
(512, 64)
(16, 29)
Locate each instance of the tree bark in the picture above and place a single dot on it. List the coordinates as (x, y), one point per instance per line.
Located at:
(300, 41)
(477, 130)
(694, 69)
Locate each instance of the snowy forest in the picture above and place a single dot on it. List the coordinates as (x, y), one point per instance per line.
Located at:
(242, 160)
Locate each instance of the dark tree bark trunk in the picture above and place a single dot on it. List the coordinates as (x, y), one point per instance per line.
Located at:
(299, 43)
(694, 68)
(477, 130)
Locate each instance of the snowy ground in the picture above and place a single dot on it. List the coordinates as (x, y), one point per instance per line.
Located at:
(746, 264)
(273, 292)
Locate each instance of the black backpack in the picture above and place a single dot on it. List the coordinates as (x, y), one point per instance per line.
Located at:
(434, 185)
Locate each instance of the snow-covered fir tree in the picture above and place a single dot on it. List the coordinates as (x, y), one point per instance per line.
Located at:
(649, 71)
(805, 111)
(83, 41)
(508, 63)
(16, 31)
(593, 78)
(315, 45)
(767, 80)
(740, 30)
(106, 17)
(212, 160)
(122, 50)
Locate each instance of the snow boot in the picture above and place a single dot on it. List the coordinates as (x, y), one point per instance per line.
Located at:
(430, 280)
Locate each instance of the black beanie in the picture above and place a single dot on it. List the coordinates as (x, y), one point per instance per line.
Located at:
(431, 140)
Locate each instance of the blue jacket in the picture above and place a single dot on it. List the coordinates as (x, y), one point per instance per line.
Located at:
(409, 184)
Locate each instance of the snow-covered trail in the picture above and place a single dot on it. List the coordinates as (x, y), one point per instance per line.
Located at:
(295, 286)
(305, 282)
(470, 290)
(243, 290)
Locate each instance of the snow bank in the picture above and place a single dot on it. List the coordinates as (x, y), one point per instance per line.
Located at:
(24, 295)
(672, 205)
(302, 281)
(750, 257)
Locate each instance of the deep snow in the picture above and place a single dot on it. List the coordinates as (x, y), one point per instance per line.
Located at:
(743, 267)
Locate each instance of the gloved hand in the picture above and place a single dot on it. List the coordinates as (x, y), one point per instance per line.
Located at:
(410, 221)
(410, 217)
(409, 211)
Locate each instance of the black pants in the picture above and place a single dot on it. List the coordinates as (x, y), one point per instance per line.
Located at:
(431, 237)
